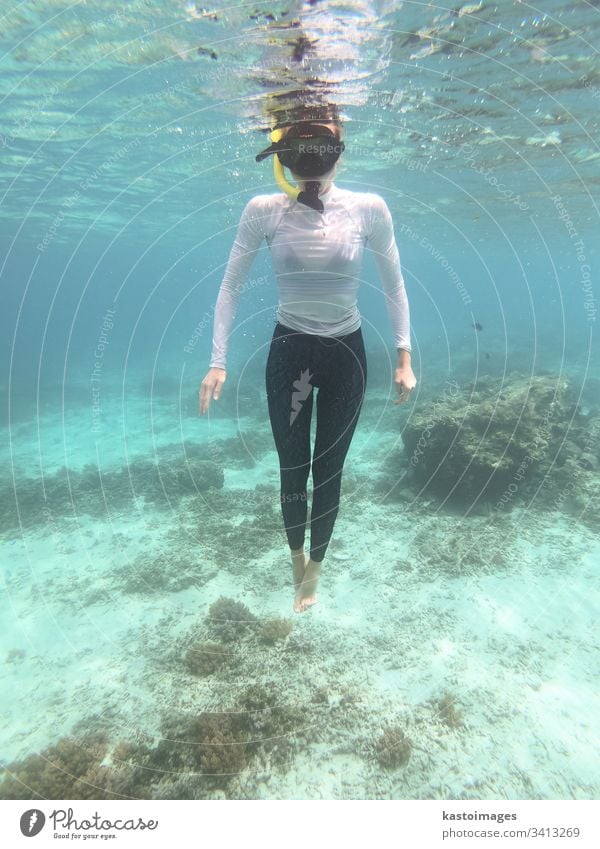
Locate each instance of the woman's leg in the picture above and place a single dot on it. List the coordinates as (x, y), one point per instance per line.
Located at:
(289, 397)
(342, 376)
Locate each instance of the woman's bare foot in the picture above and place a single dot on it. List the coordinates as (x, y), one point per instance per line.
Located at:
(306, 594)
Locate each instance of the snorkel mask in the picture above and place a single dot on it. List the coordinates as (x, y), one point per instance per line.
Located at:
(309, 150)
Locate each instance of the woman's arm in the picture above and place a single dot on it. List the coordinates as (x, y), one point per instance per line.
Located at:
(383, 243)
(249, 236)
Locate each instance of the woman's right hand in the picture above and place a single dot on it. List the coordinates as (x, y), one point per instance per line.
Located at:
(211, 387)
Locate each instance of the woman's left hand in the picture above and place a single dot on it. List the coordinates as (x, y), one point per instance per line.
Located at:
(405, 381)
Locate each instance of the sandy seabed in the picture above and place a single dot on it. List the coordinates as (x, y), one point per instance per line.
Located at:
(472, 637)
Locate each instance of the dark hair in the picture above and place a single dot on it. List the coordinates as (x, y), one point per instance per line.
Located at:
(324, 113)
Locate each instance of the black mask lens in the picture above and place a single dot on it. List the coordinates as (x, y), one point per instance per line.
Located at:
(310, 151)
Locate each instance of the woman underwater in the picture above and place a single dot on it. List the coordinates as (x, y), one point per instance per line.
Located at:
(316, 233)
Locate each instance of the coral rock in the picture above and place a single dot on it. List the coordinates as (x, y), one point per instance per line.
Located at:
(393, 748)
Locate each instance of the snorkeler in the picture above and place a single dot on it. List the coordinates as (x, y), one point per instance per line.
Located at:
(316, 233)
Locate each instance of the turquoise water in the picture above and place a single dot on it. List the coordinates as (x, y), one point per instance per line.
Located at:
(453, 651)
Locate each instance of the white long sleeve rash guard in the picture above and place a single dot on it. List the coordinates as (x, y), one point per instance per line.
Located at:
(317, 259)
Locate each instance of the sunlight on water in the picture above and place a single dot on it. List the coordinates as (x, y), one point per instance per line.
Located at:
(136, 92)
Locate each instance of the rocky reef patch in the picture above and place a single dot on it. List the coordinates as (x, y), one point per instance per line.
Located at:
(500, 442)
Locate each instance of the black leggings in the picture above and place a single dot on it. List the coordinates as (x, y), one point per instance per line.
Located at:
(337, 366)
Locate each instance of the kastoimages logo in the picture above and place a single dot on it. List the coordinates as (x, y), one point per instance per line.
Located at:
(32, 822)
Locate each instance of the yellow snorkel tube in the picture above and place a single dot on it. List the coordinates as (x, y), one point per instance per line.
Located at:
(291, 191)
